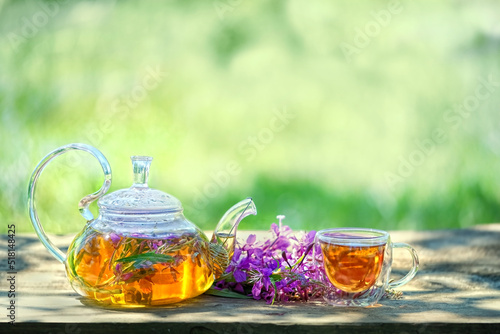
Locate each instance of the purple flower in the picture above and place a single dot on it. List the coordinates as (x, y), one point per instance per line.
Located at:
(281, 243)
(115, 239)
(237, 253)
(279, 268)
(239, 288)
(259, 253)
(256, 290)
(251, 239)
(272, 266)
(239, 276)
(309, 237)
(120, 276)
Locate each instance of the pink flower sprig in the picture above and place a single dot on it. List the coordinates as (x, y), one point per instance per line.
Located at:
(277, 269)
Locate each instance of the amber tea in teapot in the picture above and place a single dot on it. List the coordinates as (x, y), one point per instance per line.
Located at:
(140, 250)
(134, 270)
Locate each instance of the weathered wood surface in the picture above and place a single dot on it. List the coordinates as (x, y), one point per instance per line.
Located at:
(456, 290)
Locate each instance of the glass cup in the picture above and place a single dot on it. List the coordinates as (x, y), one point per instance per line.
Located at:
(355, 264)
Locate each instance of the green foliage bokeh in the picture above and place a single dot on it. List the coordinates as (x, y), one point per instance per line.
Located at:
(333, 113)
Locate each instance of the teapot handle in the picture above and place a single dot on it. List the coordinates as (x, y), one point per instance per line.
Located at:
(84, 203)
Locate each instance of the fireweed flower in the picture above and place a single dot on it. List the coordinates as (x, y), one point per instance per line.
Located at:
(115, 239)
(120, 276)
(277, 269)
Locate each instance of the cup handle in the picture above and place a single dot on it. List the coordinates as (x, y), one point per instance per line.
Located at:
(408, 277)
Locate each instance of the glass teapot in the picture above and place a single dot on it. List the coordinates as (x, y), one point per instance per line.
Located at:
(140, 250)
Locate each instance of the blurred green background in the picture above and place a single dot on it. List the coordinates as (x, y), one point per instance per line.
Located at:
(333, 113)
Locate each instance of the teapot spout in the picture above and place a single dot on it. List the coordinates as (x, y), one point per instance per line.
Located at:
(222, 243)
(225, 232)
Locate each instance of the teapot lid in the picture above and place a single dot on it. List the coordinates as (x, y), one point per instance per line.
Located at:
(139, 198)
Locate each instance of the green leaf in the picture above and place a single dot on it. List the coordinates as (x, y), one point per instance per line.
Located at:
(299, 262)
(275, 277)
(153, 257)
(226, 293)
(275, 292)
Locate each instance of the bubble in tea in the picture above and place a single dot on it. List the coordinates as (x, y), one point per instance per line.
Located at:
(352, 268)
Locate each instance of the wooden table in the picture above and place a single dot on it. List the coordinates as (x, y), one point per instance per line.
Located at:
(457, 290)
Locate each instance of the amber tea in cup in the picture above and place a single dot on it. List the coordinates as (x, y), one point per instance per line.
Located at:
(355, 265)
(352, 268)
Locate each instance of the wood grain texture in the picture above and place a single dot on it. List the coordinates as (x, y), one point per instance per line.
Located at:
(457, 290)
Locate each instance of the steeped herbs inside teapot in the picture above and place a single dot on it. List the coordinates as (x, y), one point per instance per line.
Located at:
(140, 250)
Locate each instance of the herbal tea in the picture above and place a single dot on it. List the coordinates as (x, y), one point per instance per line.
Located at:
(226, 240)
(121, 270)
(352, 268)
